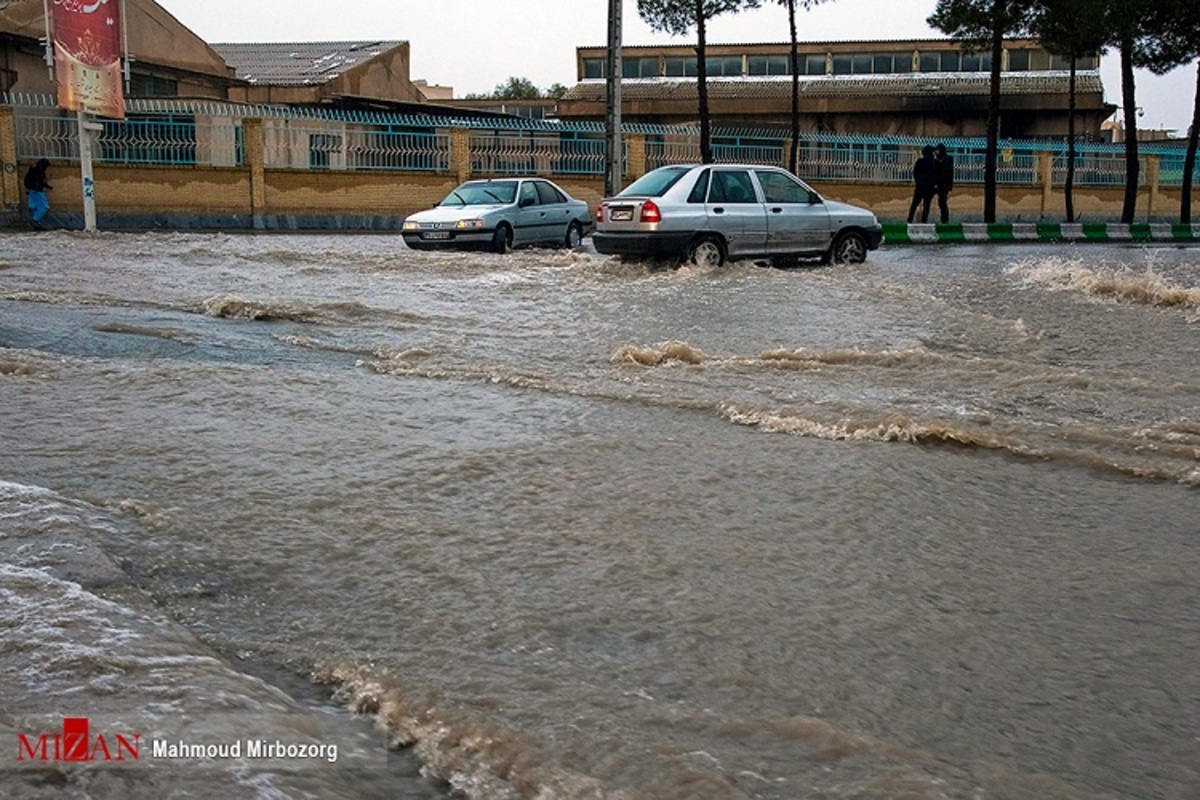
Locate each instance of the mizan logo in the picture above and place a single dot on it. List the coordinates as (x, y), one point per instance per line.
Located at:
(76, 743)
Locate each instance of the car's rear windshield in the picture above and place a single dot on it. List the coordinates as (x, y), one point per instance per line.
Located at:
(482, 193)
(656, 183)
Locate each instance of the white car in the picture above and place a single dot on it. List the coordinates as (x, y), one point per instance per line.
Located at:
(498, 215)
(710, 213)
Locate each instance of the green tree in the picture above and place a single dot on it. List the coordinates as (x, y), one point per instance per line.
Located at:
(1072, 29)
(793, 158)
(679, 17)
(556, 90)
(982, 25)
(1178, 42)
(516, 89)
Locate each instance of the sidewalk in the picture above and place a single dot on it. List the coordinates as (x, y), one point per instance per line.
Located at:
(907, 233)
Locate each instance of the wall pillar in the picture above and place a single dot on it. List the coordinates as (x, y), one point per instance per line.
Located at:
(635, 153)
(1153, 167)
(460, 153)
(1045, 175)
(253, 142)
(10, 186)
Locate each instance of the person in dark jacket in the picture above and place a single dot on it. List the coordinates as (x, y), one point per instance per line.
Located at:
(944, 179)
(924, 184)
(36, 184)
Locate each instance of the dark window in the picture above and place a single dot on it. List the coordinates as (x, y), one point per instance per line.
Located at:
(529, 194)
(842, 64)
(723, 66)
(970, 62)
(1088, 62)
(931, 62)
(548, 194)
(655, 183)
(593, 68)
(152, 86)
(732, 186)
(1018, 60)
(814, 65)
(681, 67)
(640, 67)
(767, 65)
(902, 62)
(700, 189)
(883, 64)
(862, 64)
(950, 62)
(780, 188)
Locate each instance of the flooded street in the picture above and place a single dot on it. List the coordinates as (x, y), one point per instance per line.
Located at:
(553, 525)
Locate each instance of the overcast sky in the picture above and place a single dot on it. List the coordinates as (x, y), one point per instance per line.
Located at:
(473, 45)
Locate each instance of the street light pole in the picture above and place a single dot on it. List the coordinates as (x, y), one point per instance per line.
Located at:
(613, 155)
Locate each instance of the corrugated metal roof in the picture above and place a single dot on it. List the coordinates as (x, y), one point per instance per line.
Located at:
(298, 63)
(843, 86)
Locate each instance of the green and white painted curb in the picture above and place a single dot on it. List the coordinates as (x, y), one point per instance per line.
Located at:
(910, 233)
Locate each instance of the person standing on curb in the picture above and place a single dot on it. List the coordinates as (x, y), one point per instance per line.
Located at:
(36, 184)
(924, 184)
(944, 179)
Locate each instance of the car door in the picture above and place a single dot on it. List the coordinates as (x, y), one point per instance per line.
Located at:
(796, 218)
(530, 214)
(557, 213)
(735, 211)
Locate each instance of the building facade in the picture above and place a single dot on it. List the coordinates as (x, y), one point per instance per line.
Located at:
(930, 88)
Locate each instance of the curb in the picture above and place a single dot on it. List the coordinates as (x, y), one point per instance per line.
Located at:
(930, 233)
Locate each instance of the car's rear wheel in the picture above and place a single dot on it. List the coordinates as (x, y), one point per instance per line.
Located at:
(502, 239)
(574, 236)
(706, 251)
(850, 247)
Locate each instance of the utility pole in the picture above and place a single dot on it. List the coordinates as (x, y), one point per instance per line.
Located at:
(613, 152)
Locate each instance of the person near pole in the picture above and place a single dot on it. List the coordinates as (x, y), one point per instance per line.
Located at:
(36, 185)
(944, 175)
(924, 184)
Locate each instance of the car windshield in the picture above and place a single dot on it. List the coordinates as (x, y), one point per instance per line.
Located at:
(482, 193)
(656, 183)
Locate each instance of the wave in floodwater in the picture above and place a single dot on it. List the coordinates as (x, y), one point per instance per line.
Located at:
(1122, 283)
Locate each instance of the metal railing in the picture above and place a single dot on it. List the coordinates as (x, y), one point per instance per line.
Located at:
(211, 133)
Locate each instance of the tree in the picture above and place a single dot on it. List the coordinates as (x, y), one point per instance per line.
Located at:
(556, 90)
(1072, 29)
(982, 25)
(678, 17)
(1178, 42)
(793, 159)
(516, 89)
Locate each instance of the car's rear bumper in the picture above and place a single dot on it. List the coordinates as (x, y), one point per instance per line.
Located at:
(641, 243)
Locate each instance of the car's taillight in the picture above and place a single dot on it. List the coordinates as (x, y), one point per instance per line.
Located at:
(600, 213)
(650, 212)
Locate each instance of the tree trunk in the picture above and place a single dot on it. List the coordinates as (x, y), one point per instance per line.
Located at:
(1189, 160)
(993, 118)
(1069, 187)
(706, 155)
(794, 157)
(1129, 104)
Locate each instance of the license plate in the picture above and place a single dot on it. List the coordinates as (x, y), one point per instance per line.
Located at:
(436, 235)
(622, 214)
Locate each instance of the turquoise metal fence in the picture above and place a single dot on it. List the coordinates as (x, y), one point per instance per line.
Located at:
(210, 133)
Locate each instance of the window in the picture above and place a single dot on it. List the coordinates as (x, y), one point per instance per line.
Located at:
(593, 68)
(780, 188)
(548, 194)
(700, 189)
(640, 67)
(723, 66)
(732, 186)
(529, 194)
(842, 64)
(1018, 60)
(951, 62)
(767, 65)
(863, 64)
(814, 65)
(681, 67)
(152, 86)
(655, 183)
(931, 62)
(882, 63)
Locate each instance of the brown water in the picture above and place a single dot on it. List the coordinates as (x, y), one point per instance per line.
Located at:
(558, 526)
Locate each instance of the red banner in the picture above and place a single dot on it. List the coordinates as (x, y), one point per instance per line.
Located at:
(87, 56)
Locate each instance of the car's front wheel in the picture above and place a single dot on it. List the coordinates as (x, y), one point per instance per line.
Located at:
(502, 239)
(706, 251)
(850, 247)
(574, 236)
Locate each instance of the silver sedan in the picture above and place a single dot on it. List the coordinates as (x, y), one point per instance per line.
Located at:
(499, 215)
(711, 213)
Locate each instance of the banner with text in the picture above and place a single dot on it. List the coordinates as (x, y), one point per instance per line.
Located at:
(87, 56)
